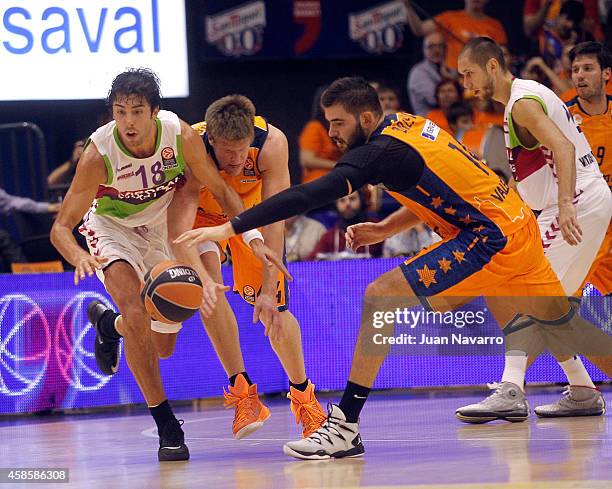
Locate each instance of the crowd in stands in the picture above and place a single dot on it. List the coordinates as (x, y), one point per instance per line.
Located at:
(434, 90)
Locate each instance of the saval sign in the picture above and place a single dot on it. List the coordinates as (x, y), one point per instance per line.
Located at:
(81, 26)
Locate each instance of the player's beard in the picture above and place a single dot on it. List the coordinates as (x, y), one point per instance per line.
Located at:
(488, 89)
(358, 138)
(590, 94)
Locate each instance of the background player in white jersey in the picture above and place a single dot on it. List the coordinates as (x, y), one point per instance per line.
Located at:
(132, 169)
(592, 112)
(556, 174)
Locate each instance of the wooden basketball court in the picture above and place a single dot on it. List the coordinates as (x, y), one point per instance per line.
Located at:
(412, 441)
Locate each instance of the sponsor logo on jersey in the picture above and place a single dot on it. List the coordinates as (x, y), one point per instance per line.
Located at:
(238, 31)
(125, 175)
(379, 29)
(430, 131)
(141, 196)
(168, 159)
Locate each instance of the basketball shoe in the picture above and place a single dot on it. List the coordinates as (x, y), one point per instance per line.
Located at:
(105, 349)
(576, 401)
(337, 438)
(249, 412)
(172, 442)
(507, 402)
(306, 409)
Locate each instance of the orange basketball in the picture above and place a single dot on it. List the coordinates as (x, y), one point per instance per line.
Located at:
(172, 292)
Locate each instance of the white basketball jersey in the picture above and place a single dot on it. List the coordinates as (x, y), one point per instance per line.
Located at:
(139, 190)
(534, 168)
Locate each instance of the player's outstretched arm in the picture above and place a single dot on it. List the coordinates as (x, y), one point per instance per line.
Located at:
(90, 173)
(290, 202)
(206, 173)
(181, 214)
(369, 233)
(529, 114)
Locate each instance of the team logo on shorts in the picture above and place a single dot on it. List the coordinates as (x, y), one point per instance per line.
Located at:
(248, 293)
(168, 158)
(249, 168)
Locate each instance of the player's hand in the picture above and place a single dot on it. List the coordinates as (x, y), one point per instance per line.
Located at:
(362, 234)
(87, 265)
(266, 311)
(268, 257)
(211, 291)
(568, 222)
(213, 233)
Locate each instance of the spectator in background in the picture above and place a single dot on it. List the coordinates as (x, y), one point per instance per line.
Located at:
(332, 245)
(458, 27)
(10, 252)
(425, 75)
(389, 99)
(301, 236)
(318, 153)
(10, 203)
(559, 81)
(409, 242)
(562, 31)
(487, 112)
(538, 13)
(460, 118)
(63, 174)
(448, 91)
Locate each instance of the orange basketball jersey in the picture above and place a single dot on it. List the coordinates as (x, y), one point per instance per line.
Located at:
(247, 184)
(598, 131)
(457, 191)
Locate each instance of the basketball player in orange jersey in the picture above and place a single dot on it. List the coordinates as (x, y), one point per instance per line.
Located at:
(592, 112)
(557, 174)
(129, 178)
(252, 158)
(491, 244)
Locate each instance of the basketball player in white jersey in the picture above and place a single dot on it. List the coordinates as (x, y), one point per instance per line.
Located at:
(138, 170)
(556, 174)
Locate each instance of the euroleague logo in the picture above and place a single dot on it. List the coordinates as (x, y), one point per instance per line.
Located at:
(168, 158)
(238, 31)
(249, 168)
(249, 293)
(379, 29)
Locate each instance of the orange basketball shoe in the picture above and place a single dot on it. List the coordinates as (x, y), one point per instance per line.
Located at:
(307, 410)
(250, 413)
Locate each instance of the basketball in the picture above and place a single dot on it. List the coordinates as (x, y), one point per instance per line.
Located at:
(172, 292)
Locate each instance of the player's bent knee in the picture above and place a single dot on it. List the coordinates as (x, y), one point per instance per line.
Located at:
(390, 284)
(136, 320)
(164, 343)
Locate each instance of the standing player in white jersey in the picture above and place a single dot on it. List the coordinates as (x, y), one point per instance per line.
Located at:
(132, 169)
(556, 174)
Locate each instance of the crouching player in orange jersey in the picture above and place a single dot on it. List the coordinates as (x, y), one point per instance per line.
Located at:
(252, 157)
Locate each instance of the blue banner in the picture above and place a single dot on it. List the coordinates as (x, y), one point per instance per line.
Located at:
(258, 29)
(47, 360)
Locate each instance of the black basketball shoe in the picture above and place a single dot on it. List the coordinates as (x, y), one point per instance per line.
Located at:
(106, 350)
(172, 442)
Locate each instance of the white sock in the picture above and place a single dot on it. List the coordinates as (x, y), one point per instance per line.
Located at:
(576, 373)
(514, 370)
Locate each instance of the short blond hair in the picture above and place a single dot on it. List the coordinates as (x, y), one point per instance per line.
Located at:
(231, 118)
